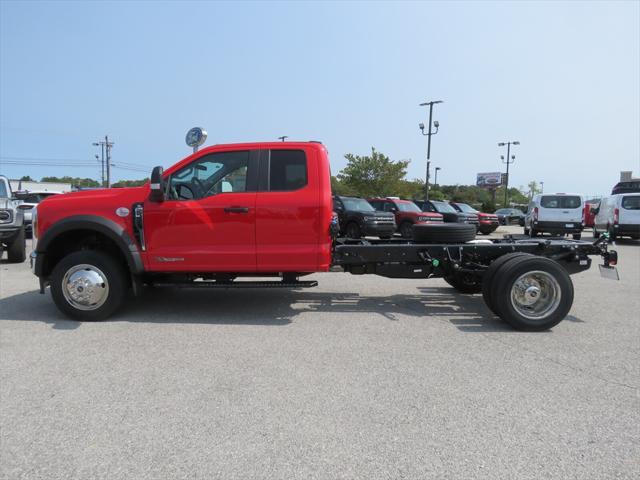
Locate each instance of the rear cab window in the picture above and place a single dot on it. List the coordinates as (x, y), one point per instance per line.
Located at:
(287, 170)
(631, 203)
(561, 201)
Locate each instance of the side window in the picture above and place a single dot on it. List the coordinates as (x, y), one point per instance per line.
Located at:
(375, 204)
(388, 207)
(212, 174)
(287, 170)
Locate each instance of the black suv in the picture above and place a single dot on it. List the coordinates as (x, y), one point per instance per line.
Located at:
(449, 214)
(358, 218)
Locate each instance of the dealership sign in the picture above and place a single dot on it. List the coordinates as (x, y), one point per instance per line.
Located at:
(489, 179)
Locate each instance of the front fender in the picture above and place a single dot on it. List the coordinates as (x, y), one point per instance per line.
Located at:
(102, 225)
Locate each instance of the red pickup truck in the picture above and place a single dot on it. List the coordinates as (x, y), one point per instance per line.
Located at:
(234, 211)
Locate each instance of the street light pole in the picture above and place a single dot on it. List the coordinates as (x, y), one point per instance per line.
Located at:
(509, 161)
(541, 187)
(428, 135)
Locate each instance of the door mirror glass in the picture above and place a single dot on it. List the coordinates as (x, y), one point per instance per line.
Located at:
(157, 185)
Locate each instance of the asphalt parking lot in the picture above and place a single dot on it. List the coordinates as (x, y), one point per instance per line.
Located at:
(362, 377)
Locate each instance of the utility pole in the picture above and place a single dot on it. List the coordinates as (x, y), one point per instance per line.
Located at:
(508, 161)
(105, 160)
(428, 135)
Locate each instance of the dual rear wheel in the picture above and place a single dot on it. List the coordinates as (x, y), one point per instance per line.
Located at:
(529, 292)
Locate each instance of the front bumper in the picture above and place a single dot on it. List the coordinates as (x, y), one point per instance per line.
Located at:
(558, 227)
(378, 230)
(628, 229)
(7, 234)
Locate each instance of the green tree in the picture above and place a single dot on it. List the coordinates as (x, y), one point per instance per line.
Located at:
(26, 178)
(534, 189)
(76, 181)
(374, 175)
(130, 183)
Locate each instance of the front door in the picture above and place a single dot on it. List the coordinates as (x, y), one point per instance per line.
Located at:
(207, 222)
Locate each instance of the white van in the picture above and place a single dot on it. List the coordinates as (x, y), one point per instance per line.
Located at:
(555, 213)
(619, 215)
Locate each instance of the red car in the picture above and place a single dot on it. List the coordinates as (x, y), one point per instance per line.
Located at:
(589, 216)
(487, 222)
(407, 214)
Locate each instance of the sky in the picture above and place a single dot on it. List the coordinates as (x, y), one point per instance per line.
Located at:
(563, 78)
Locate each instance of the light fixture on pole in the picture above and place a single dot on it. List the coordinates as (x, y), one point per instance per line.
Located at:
(428, 135)
(510, 159)
(283, 137)
(435, 180)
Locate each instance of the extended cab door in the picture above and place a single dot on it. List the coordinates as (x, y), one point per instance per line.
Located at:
(207, 222)
(288, 216)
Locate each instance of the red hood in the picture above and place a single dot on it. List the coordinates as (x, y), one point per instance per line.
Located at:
(102, 202)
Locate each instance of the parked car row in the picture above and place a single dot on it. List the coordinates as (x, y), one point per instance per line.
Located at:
(383, 216)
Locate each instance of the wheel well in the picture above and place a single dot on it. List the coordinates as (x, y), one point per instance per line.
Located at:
(76, 240)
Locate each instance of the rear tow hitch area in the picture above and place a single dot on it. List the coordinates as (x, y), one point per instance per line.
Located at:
(610, 257)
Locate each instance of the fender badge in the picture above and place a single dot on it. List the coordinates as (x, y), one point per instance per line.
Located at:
(122, 211)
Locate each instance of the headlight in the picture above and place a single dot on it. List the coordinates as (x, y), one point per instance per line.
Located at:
(6, 216)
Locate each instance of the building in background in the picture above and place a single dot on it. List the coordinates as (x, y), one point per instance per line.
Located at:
(31, 186)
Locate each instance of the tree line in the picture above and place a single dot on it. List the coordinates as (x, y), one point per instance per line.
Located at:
(376, 175)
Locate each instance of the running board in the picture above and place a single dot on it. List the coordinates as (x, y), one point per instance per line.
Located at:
(215, 284)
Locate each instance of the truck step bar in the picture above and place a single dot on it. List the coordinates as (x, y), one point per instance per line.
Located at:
(217, 284)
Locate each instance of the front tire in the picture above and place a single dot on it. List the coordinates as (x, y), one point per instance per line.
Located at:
(17, 251)
(88, 285)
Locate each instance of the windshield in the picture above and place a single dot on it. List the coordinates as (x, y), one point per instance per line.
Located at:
(631, 203)
(408, 207)
(357, 204)
(444, 207)
(466, 208)
(560, 201)
(3, 190)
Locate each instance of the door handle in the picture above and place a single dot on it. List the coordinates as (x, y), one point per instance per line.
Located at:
(236, 209)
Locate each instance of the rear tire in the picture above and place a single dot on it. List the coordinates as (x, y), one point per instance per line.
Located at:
(88, 285)
(532, 293)
(444, 233)
(465, 283)
(17, 251)
(489, 276)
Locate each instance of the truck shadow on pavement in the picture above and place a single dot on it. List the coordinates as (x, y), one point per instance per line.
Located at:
(270, 307)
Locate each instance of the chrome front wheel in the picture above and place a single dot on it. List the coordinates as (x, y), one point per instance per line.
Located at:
(85, 287)
(89, 284)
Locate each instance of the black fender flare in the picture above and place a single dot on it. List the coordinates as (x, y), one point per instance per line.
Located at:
(102, 225)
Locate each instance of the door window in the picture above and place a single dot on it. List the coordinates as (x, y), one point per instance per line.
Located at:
(223, 172)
